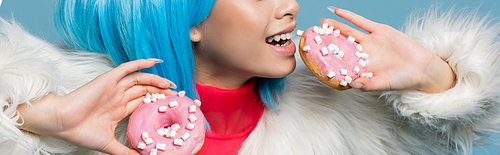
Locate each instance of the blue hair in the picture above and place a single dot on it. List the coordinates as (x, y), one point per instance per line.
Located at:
(128, 30)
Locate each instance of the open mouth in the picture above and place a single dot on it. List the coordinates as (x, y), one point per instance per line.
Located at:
(280, 39)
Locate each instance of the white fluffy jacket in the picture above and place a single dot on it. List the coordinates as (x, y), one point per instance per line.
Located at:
(312, 118)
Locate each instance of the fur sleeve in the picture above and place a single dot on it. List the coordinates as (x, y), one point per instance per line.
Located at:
(31, 68)
(471, 47)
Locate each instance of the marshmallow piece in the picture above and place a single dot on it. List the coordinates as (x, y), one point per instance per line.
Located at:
(336, 52)
(190, 126)
(306, 48)
(192, 118)
(343, 71)
(198, 102)
(359, 47)
(175, 127)
(173, 104)
(171, 134)
(162, 109)
(315, 29)
(369, 75)
(324, 50)
(358, 54)
(332, 47)
(343, 83)
(141, 145)
(182, 93)
(161, 132)
(356, 70)
(300, 33)
(318, 39)
(348, 79)
(161, 96)
(364, 56)
(341, 54)
(161, 146)
(329, 30)
(148, 94)
(336, 33)
(166, 131)
(153, 98)
(362, 62)
(148, 141)
(322, 31)
(367, 61)
(185, 136)
(330, 74)
(325, 25)
(153, 151)
(178, 142)
(145, 135)
(147, 99)
(192, 109)
(351, 39)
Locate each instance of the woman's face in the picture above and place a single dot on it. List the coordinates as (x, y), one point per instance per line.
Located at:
(236, 40)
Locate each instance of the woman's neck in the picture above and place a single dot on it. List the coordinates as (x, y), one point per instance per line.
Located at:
(230, 111)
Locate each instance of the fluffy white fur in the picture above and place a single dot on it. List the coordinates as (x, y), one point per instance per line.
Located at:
(29, 69)
(312, 118)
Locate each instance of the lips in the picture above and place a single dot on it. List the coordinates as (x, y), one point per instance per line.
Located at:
(285, 47)
(282, 42)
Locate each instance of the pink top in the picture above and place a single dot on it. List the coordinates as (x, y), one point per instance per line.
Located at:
(232, 116)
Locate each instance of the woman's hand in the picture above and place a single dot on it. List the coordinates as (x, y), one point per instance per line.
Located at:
(396, 60)
(89, 115)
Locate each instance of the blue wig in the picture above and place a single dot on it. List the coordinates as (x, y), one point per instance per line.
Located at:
(128, 30)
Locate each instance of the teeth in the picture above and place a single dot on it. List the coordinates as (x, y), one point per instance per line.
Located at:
(279, 37)
(270, 39)
(289, 35)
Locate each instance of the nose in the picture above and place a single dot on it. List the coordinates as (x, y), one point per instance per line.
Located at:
(286, 9)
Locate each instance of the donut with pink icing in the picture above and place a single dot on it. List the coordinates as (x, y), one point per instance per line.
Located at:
(167, 125)
(333, 58)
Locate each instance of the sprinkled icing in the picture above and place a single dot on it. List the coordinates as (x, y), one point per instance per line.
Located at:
(332, 62)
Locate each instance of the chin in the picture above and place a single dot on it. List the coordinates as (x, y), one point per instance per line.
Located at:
(281, 70)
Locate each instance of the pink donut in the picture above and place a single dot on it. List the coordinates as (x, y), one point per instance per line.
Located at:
(167, 125)
(333, 58)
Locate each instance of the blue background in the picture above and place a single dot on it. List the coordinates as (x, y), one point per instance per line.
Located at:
(36, 17)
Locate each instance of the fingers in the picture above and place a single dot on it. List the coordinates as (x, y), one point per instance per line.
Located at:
(359, 21)
(345, 30)
(376, 83)
(129, 67)
(117, 148)
(145, 79)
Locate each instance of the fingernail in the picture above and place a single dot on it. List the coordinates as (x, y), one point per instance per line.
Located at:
(321, 20)
(172, 84)
(356, 85)
(156, 60)
(331, 8)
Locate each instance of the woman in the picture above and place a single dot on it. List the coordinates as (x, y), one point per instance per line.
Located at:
(442, 99)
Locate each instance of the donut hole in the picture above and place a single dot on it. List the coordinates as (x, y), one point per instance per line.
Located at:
(169, 118)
